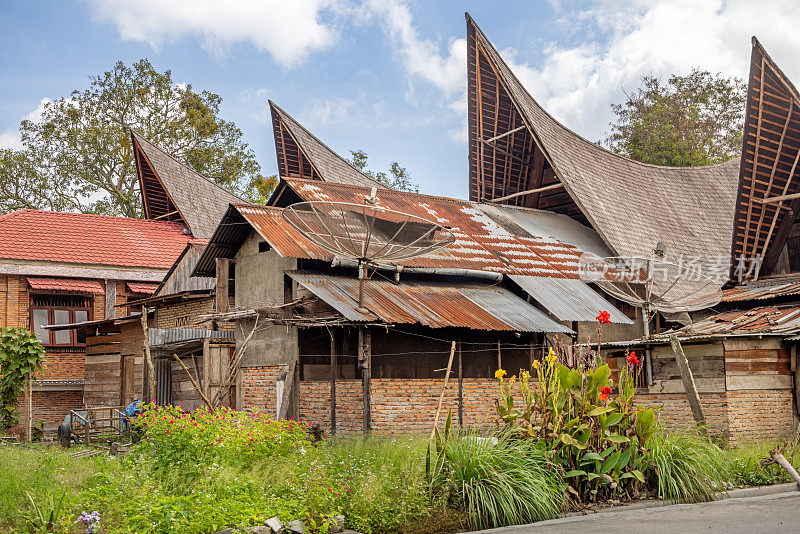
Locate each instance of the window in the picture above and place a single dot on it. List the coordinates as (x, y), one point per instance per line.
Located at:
(263, 246)
(59, 309)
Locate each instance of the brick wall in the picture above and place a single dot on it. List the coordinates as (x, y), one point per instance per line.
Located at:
(63, 366)
(258, 387)
(735, 416)
(183, 314)
(315, 405)
(767, 414)
(49, 407)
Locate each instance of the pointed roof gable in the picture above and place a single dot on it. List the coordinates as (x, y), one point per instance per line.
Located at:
(172, 191)
(302, 155)
(772, 138)
(516, 147)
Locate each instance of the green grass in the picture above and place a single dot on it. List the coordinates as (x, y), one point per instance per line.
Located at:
(49, 477)
(688, 467)
(742, 464)
(498, 484)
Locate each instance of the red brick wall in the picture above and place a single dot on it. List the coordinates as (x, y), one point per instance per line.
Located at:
(183, 314)
(315, 405)
(49, 407)
(258, 387)
(62, 366)
(737, 416)
(765, 414)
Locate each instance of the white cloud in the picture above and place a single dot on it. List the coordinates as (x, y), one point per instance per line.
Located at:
(10, 138)
(287, 30)
(577, 84)
(257, 99)
(421, 57)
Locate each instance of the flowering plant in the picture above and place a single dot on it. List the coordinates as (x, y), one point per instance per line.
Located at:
(597, 438)
(172, 436)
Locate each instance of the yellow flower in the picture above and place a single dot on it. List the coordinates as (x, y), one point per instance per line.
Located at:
(524, 376)
(536, 364)
(513, 379)
(500, 373)
(551, 356)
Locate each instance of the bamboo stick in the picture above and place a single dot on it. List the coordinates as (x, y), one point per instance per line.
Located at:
(444, 388)
(194, 382)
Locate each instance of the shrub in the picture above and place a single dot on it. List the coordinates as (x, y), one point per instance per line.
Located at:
(189, 440)
(686, 467)
(742, 464)
(497, 482)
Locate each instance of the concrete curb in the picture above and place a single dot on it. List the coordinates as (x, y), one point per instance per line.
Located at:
(758, 492)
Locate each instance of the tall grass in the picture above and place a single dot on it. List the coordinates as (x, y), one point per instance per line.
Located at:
(742, 464)
(688, 467)
(38, 477)
(500, 483)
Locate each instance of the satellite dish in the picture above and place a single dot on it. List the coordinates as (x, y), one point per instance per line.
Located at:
(653, 283)
(367, 233)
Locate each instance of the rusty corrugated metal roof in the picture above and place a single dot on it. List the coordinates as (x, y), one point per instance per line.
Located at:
(763, 289)
(484, 240)
(436, 305)
(774, 320)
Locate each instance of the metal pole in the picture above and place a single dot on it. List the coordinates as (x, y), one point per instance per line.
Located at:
(334, 372)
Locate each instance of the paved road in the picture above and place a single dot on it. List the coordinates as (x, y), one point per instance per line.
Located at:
(778, 513)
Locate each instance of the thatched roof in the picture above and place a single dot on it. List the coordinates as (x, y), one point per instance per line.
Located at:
(771, 137)
(631, 205)
(302, 155)
(173, 191)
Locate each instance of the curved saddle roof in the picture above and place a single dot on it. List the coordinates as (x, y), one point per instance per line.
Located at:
(517, 147)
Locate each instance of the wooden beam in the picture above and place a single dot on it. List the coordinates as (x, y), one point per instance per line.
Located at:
(365, 357)
(334, 373)
(528, 192)
(755, 159)
(166, 215)
(509, 154)
(194, 383)
(460, 386)
(496, 137)
(688, 382)
(444, 389)
(781, 198)
(222, 293)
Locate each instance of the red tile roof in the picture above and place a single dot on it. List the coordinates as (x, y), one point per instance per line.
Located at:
(77, 285)
(90, 239)
(145, 288)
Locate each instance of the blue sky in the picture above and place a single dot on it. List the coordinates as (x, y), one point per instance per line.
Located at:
(387, 77)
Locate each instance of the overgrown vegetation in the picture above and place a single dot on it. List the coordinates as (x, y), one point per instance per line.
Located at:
(21, 356)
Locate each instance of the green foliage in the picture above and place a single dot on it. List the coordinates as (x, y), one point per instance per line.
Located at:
(397, 177)
(187, 440)
(497, 482)
(742, 465)
(260, 188)
(21, 357)
(687, 467)
(597, 439)
(78, 156)
(690, 120)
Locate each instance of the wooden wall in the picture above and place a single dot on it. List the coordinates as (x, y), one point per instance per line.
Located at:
(114, 365)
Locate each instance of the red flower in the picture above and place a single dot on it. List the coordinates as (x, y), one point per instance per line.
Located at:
(633, 359)
(604, 317)
(604, 393)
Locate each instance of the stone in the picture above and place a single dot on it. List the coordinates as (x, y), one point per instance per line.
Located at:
(259, 529)
(297, 526)
(275, 524)
(336, 524)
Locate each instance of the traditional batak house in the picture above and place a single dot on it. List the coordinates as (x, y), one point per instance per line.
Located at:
(506, 287)
(735, 219)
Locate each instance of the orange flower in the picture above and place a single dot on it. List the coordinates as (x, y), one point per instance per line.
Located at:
(632, 359)
(604, 393)
(604, 317)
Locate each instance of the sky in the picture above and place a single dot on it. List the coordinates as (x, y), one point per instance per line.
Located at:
(387, 77)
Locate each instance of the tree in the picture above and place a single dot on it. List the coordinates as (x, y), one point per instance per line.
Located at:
(80, 149)
(21, 356)
(260, 188)
(397, 178)
(691, 120)
(22, 187)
